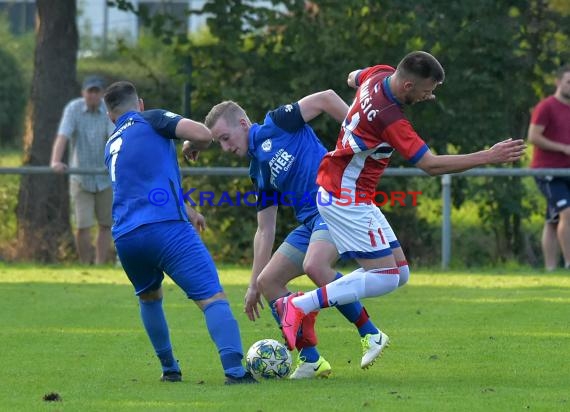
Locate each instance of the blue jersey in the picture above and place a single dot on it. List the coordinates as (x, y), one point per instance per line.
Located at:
(286, 155)
(141, 158)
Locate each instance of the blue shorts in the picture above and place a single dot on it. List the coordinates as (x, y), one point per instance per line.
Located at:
(557, 193)
(300, 237)
(171, 247)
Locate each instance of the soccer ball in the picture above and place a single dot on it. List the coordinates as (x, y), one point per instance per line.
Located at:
(268, 359)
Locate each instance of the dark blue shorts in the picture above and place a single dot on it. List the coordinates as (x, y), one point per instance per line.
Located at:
(557, 193)
(171, 247)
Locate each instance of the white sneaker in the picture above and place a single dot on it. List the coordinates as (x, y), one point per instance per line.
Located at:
(306, 370)
(372, 346)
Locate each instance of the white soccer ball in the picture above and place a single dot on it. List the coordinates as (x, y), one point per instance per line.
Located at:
(268, 359)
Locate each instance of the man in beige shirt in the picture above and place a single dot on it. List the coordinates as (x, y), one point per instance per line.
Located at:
(86, 126)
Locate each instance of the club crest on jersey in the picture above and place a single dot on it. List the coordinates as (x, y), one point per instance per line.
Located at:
(266, 145)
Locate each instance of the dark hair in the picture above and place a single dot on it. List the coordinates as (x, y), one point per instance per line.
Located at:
(423, 65)
(120, 96)
(563, 69)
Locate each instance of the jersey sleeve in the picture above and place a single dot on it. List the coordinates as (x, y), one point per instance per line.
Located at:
(540, 115)
(163, 121)
(364, 74)
(287, 117)
(404, 139)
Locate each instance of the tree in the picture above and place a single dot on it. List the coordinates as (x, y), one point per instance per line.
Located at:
(43, 200)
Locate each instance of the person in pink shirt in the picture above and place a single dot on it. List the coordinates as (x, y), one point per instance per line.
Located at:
(549, 132)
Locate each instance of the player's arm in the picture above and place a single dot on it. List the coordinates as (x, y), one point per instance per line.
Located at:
(506, 151)
(537, 138)
(57, 152)
(194, 132)
(356, 77)
(173, 126)
(326, 101)
(262, 248)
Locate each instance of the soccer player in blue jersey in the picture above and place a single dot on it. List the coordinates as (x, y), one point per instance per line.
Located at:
(151, 228)
(284, 157)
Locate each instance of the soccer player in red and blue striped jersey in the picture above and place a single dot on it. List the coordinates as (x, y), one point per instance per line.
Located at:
(373, 129)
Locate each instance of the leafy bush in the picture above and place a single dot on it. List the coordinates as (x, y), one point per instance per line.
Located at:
(12, 99)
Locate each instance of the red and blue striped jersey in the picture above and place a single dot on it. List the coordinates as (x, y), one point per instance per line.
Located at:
(374, 127)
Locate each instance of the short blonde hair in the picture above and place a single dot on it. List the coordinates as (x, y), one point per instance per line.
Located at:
(228, 110)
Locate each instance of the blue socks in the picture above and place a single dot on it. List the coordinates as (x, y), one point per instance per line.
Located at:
(156, 327)
(224, 331)
(355, 313)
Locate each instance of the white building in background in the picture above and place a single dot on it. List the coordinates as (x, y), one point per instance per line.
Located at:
(98, 23)
(101, 23)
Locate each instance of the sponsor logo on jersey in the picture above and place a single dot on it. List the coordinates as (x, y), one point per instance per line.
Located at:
(266, 145)
(280, 162)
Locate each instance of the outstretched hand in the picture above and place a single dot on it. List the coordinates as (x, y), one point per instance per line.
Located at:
(507, 151)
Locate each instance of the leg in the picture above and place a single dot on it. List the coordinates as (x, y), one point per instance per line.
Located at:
(189, 264)
(154, 321)
(84, 206)
(103, 244)
(319, 262)
(273, 279)
(321, 256)
(140, 253)
(224, 332)
(103, 207)
(285, 265)
(550, 247)
(563, 232)
(361, 232)
(557, 193)
(83, 245)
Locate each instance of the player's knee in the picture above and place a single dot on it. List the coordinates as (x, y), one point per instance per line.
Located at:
(564, 215)
(151, 295)
(271, 279)
(379, 284)
(404, 275)
(220, 296)
(319, 272)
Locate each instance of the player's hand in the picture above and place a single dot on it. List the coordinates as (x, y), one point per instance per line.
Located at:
(190, 154)
(198, 221)
(58, 167)
(507, 151)
(252, 303)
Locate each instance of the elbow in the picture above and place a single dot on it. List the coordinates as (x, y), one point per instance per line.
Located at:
(431, 170)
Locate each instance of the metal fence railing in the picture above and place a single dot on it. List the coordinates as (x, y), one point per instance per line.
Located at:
(243, 172)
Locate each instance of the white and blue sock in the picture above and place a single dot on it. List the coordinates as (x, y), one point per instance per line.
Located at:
(355, 313)
(357, 285)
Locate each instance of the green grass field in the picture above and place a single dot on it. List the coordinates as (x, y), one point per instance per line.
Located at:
(460, 342)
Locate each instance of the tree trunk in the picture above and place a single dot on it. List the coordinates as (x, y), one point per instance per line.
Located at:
(44, 229)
